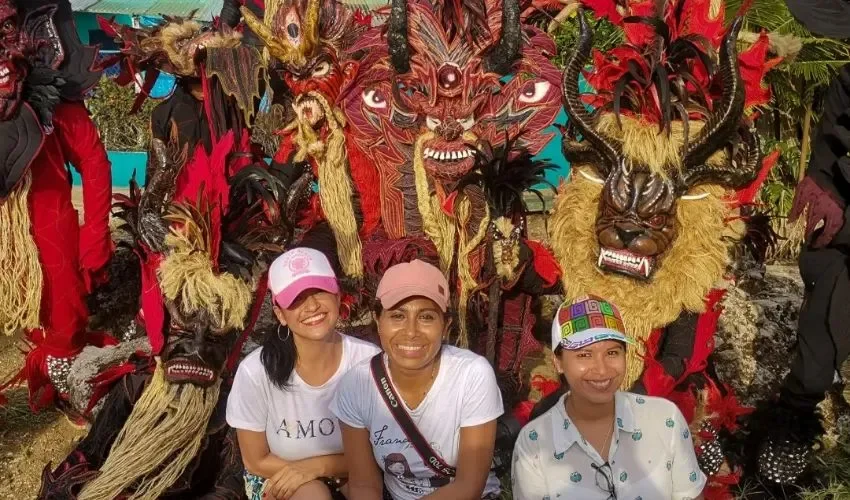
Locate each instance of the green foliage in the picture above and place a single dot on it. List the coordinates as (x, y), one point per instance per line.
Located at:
(797, 84)
(119, 130)
(605, 36)
(819, 58)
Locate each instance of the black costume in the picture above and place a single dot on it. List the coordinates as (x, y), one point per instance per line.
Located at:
(823, 335)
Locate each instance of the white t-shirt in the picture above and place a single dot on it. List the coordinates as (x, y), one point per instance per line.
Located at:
(297, 421)
(464, 394)
(651, 456)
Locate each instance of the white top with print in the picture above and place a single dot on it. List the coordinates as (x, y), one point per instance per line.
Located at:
(652, 456)
(297, 421)
(464, 394)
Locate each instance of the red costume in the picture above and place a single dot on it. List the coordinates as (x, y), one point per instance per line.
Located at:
(52, 133)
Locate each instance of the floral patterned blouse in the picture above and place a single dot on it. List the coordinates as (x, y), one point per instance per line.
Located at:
(651, 456)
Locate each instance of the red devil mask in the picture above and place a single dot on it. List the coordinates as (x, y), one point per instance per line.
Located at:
(13, 61)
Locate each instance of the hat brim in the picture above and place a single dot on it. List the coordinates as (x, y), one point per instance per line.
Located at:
(823, 17)
(396, 296)
(591, 336)
(287, 296)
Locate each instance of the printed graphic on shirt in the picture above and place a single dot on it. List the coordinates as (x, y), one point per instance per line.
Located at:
(397, 463)
(294, 428)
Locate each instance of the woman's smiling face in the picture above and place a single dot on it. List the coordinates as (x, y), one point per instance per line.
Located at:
(594, 372)
(412, 332)
(312, 315)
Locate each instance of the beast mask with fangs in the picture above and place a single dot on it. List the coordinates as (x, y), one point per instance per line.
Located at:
(195, 348)
(667, 160)
(636, 223)
(435, 86)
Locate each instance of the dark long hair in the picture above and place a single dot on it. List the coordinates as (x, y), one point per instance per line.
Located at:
(279, 355)
(551, 400)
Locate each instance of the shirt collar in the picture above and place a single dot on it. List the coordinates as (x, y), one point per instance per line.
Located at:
(565, 433)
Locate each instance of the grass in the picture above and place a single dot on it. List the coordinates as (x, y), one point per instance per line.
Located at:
(833, 467)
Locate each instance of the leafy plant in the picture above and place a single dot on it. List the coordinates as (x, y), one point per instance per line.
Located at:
(110, 107)
(605, 36)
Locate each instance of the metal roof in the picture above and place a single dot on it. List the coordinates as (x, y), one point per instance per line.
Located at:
(206, 9)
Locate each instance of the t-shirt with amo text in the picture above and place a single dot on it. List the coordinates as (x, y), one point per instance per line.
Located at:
(464, 394)
(297, 420)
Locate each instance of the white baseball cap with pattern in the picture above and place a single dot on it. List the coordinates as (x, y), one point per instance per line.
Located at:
(297, 270)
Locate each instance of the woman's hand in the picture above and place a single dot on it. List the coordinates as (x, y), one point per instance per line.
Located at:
(286, 482)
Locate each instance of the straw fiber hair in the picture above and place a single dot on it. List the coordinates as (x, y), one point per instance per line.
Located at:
(645, 144)
(21, 280)
(160, 438)
(181, 61)
(187, 277)
(336, 190)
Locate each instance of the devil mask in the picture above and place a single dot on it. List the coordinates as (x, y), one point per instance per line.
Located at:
(305, 40)
(442, 88)
(13, 60)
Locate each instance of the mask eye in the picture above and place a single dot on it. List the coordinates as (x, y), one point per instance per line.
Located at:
(374, 99)
(467, 123)
(534, 92)
(8, 26)
(321, 69)
(658, 221)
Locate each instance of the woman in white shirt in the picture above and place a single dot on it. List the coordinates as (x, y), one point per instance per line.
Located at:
(598, 443)
(448, 394)
(290, 442)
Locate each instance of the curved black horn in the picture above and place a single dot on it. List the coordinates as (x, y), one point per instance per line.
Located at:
(501, 58)
(399, 47)
(741, 169)
(725, 119)
(576, 112)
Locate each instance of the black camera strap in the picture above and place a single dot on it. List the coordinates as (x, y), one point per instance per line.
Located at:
(434, 461)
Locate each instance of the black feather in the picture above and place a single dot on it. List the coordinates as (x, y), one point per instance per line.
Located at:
(505, 174)
(760, 237)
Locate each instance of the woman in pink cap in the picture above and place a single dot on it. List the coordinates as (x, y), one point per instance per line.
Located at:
(418, 420)
(291, 443)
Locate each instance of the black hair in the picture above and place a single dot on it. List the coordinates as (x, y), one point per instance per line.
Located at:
(551, 400)
(279, 355)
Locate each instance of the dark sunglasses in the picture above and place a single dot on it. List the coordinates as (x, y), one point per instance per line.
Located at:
(606, 484)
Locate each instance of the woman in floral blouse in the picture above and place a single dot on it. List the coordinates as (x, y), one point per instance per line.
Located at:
(599, 443)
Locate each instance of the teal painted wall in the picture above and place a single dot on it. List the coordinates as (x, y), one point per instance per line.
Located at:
(123, 165)
(87, 21)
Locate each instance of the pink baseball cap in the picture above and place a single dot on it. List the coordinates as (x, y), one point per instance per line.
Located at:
(413, 279)
(297, 270)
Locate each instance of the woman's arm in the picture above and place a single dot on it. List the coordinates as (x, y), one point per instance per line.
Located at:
(326, 465)
(365, 481)
(256, 455)
(475, 456)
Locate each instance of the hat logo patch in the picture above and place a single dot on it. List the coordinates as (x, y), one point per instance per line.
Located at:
(299, 264)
